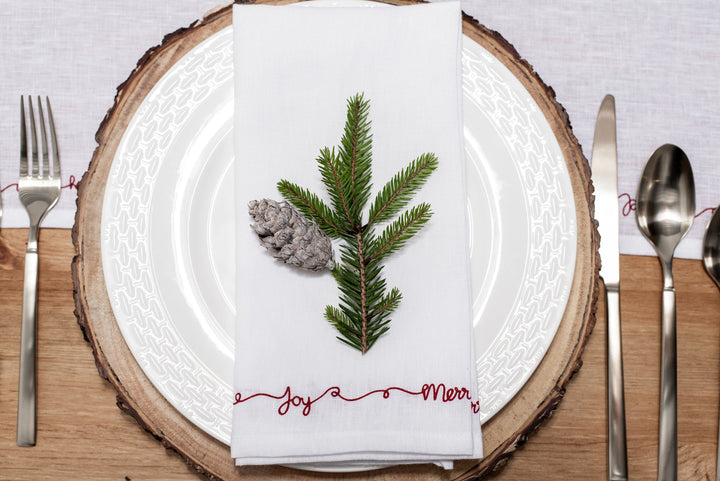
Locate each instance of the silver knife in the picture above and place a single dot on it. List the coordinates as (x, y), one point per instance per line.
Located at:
(604, 176)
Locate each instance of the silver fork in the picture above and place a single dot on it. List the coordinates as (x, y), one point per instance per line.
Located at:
(39, 190)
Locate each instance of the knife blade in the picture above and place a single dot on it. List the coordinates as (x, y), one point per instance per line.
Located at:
(604, 177)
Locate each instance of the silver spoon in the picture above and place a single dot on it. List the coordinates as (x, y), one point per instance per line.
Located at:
(665, 207)
(711, 260)
(711, 247)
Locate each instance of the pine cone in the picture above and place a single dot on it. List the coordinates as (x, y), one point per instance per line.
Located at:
(289, 236)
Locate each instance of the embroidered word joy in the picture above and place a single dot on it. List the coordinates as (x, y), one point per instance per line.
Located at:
(429, 392)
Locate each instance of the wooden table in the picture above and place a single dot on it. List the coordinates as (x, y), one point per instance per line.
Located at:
(82, 435)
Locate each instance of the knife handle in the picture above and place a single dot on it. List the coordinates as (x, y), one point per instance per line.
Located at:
(617, 447)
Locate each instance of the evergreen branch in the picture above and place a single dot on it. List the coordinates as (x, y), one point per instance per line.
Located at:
(363, 314)
(362, 291)
(346, 329)
(363, 294)
(340, 320)
(399, 232)
(381, 324)
(331, 177)
(311, 206)
(355, 154)
(398, 192)
(389, 303)
(376, 335)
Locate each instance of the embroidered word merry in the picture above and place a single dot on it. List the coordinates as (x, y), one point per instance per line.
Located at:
(429, 392)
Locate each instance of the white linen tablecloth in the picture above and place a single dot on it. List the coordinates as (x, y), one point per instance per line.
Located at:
(659, 59)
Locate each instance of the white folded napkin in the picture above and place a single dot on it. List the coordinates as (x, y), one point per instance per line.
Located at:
(302, 396)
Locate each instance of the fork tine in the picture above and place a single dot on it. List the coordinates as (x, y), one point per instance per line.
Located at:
(53, 141)
(33, 140)
(23, 141)
(44, 159)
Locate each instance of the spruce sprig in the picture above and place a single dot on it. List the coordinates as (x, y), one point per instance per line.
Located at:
(366, 304)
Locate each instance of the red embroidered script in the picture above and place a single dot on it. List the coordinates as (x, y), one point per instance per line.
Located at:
(429, 392)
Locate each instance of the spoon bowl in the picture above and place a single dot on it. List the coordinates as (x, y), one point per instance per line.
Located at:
(665, 202)
(665, 208)
(711, 247)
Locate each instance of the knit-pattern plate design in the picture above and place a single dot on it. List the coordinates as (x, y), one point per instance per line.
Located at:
(521, 205)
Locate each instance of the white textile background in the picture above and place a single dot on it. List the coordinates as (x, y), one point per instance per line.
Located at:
(659, 59)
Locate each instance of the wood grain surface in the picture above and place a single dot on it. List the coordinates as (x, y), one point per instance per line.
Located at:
(82, 435)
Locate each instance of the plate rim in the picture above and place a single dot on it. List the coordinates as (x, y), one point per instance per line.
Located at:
(211, 427)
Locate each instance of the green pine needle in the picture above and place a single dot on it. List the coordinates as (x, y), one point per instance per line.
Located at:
(355, 152)
(331, 172)
(397, 234)
(311, 207)
(397, 193)
(363, 315)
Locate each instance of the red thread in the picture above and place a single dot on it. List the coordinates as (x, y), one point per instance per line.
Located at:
(707, 209)
(629, 204)
(429, 392)
(72, 184)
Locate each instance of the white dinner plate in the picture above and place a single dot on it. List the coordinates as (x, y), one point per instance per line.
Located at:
(168, 232)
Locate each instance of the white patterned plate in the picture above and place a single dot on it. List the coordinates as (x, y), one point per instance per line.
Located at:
(168, 232)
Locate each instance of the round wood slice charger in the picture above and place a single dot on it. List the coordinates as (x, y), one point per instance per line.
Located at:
(502, 433)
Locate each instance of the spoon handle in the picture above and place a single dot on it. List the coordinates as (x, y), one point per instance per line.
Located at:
(667, 454)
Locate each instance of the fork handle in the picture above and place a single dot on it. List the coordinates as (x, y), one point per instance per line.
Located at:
(26, 416)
